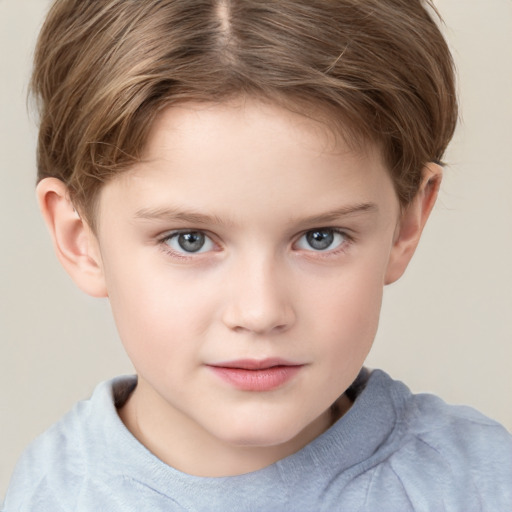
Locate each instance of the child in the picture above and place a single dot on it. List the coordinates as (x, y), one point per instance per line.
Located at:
(241, 179)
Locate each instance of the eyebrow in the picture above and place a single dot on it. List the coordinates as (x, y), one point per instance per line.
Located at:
(333, 215)
(196, 218)
(175, 214)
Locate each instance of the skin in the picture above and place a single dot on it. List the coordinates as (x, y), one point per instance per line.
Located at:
(256, 180)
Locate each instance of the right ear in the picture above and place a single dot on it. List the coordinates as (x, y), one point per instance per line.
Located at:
(74, 242)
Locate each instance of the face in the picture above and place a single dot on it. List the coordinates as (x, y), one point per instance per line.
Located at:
(244, 261)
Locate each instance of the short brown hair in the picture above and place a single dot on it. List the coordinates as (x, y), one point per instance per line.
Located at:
(104, 69)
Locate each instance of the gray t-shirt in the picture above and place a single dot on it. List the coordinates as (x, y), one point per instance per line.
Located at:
(392, 452)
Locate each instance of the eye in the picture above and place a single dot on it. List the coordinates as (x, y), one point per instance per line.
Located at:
(322, 239)
(191, 242)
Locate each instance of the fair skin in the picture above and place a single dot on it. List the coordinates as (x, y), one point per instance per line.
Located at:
(244, 260)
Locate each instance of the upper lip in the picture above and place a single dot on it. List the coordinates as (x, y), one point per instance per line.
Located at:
(255, 364)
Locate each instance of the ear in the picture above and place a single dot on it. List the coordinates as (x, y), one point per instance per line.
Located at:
(412, 222)
(74, 242)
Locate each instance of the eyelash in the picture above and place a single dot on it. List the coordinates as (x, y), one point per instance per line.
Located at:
(184, 256)
(348, 240)
(163, 243)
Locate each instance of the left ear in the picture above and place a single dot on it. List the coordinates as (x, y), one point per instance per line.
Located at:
(412, 222)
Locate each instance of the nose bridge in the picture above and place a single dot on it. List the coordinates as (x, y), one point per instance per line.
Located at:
(259, 298)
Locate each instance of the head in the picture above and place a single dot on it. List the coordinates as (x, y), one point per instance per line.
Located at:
(375, 70)
(241, 179)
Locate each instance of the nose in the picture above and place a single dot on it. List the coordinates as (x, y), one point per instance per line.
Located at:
(259, 300)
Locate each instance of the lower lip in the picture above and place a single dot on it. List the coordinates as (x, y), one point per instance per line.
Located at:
(265, 379)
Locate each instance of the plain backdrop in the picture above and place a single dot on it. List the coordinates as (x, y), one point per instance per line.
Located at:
(446, 327)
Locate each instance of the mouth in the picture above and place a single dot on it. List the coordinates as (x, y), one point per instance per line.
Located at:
(256, 375)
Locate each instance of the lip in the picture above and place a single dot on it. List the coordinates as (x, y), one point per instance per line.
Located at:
(256, 375)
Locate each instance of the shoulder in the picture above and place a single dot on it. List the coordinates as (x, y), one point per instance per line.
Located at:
(43, 471)
(451, 448)
(54, 469)
(456, 430)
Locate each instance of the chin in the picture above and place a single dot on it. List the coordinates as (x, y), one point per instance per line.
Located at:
(261, 434)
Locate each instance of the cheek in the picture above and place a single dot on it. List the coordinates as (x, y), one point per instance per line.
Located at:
(154, 309)
(346, 311)
(349, 295)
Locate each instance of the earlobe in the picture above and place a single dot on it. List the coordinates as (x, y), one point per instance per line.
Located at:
(412, 222)
(75, 244)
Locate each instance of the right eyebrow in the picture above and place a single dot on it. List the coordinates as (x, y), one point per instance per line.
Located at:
(175, 214)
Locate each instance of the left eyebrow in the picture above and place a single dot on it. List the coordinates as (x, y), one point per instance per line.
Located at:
(345, 211)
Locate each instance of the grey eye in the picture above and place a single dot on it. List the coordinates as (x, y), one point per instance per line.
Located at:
(189, 242)
(321, 239)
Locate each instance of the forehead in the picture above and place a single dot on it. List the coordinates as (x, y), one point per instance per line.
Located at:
(296, 120)
(248, 156)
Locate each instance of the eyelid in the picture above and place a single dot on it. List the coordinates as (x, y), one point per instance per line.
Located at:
(182, 254)
(348, 239)
(174, 232)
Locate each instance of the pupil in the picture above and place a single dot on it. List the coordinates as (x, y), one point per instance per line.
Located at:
(191, 242)
(320, 240)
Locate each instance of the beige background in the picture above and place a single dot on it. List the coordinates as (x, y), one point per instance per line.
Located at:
(446, 327)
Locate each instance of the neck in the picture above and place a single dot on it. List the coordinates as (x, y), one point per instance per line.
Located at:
(181, 443)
